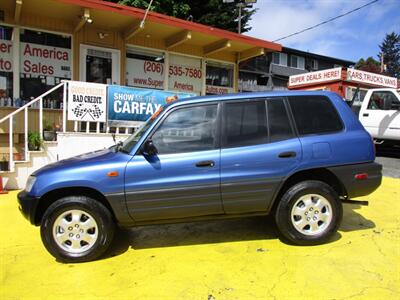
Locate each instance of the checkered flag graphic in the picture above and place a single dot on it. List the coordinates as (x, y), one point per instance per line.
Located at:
(80, 112)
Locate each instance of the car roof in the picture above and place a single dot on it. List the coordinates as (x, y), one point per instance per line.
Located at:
(250, 95)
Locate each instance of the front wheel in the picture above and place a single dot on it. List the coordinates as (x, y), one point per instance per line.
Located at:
(309, 213)
(77, 229)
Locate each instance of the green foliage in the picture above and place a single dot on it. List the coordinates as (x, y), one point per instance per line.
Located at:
(368, 65)
(47, 125)
(212, 12)
(34, 141)
(390, 48)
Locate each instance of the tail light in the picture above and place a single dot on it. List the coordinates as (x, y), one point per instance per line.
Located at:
(361, 176)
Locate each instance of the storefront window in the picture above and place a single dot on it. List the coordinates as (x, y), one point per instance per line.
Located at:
(144, 69)
(350, 93)
(6, 68)
(219, 78)
(45, 61)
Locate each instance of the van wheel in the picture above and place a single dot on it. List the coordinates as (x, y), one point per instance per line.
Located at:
(309, 213)
(77, 229)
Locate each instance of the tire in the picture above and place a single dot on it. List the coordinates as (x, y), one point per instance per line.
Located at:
(77, 229)
(309, 213)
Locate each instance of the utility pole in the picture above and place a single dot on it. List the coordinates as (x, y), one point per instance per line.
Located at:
(240, 5)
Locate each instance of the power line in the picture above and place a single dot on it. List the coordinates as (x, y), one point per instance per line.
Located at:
(327, 21)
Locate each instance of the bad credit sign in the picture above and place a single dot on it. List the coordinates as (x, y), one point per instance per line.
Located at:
(315, 77)
(87, 101)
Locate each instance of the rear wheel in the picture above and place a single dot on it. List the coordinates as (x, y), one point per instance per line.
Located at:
(309, 213)
(77, 229)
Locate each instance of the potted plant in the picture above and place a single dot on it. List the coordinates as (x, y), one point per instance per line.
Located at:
(4, 164)
(34, 141)
(17, 156)
(49, 134)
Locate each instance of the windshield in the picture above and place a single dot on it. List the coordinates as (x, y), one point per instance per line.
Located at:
(131, 141)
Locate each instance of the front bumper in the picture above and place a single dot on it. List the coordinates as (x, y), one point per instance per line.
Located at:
(27, 206)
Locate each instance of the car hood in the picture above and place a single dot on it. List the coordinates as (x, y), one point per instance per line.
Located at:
(97, 158)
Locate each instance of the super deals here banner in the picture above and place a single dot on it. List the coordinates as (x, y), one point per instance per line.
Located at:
(130, 106)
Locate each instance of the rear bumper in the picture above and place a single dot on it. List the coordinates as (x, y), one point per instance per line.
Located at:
(27, 206)
(359, 187)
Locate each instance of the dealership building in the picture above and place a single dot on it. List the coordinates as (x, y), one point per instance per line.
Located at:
(44, 43)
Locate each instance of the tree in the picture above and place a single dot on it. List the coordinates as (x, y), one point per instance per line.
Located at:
(390, 48)
(368, 65)
(212, 12)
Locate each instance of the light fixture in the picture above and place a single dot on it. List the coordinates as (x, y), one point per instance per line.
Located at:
(86, 16)
(159, 58)
(102, 35)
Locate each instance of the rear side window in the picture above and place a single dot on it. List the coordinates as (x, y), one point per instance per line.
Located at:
(278, 121)
(245, 124)
(315, 114)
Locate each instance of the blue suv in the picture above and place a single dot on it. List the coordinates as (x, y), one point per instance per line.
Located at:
(295, 155)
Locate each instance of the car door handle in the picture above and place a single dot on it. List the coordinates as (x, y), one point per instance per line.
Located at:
(365, 115)
(287, 154)
(205, 163)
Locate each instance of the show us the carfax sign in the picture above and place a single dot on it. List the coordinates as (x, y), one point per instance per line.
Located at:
(131, 106)
(87, 101)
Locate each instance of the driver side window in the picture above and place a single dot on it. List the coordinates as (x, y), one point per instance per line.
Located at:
(187, 130)
(377, 98)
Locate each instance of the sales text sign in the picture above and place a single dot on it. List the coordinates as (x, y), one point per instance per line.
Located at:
(87, 101)
(371, 78)
(315, 77)
(131, 106)
(45, 60)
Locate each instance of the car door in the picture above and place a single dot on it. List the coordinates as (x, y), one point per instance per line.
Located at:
(381, 123)
(183, 179)
(258, 150)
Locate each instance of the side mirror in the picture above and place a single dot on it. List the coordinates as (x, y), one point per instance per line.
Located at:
(148, 148)
(396, 105)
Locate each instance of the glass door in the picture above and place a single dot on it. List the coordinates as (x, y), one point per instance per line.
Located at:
(100, 65)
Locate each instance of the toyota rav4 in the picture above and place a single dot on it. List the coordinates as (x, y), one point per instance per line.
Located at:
(295, 155)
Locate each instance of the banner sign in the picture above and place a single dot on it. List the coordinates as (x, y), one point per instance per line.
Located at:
(144, 73)
(315, 77)
(185, 74)
(129, 106)
(371, 78)
(5, 56)
(87, 101)
(45, 60)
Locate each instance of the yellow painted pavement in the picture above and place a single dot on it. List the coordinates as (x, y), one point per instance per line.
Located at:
(230, 259)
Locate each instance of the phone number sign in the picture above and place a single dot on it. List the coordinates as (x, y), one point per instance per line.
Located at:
(185, 74)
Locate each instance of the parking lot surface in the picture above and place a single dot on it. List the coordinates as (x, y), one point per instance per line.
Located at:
(231, 259)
